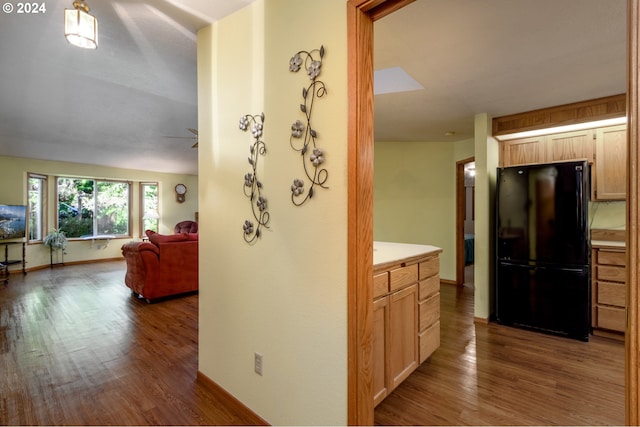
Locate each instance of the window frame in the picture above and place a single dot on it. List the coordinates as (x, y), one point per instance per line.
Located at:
(43, 202)
(142, 205)
(94, 225)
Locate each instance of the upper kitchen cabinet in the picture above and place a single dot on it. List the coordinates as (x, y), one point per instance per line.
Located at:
(523, 151)
(611, 165)
(570, 146)
(603, 146)
(566, 146)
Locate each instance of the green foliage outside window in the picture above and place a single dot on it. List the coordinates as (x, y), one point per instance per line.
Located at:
(90, 207)
(149, 206)
(36, 193)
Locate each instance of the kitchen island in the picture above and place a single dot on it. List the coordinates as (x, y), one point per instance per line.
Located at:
(406, 307)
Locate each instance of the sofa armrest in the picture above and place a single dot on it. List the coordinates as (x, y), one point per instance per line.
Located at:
(142, 265)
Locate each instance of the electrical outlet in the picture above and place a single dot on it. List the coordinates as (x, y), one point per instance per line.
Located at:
(257, 363)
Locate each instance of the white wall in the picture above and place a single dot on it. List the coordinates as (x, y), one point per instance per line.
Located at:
(286, 295)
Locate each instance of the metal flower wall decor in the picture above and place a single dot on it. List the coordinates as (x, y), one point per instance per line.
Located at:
(252, 185)
(303, 135)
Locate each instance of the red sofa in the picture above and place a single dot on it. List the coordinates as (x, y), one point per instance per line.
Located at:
(166, 265)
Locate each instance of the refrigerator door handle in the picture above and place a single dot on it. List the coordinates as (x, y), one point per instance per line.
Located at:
(579, 195)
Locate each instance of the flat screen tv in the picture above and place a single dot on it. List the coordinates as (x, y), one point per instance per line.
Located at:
(13, 220)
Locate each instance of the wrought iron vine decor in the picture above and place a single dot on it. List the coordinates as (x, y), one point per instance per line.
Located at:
(303, 135)
(252, 185)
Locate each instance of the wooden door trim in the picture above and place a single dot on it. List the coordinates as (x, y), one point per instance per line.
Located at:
(360, 17)
(460, 212)
(632, 373)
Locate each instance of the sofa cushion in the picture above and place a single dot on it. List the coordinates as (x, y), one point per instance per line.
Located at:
(157, 238)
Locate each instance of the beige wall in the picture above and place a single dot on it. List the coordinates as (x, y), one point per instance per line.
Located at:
(284, 296)
(415, 195)
(13, 175)
(608, 215)
(486, 154)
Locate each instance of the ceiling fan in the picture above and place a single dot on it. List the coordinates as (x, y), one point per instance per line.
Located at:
(193, 131)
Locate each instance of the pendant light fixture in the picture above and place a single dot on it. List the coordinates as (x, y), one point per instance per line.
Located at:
(81, 28)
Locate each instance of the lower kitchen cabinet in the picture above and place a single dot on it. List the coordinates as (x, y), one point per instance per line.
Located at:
(608, 315)
(403, 334)
(406, 319)
(380, 349)
(395, 340)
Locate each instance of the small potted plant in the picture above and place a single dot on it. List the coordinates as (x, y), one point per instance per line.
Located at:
(55, 240)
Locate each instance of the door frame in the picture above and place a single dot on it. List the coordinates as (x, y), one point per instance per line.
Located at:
(361, 15)
(461, 203)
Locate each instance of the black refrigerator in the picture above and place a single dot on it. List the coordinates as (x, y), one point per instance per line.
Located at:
(543, 253)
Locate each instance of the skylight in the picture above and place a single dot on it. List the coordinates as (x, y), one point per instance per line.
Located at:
(393, 80)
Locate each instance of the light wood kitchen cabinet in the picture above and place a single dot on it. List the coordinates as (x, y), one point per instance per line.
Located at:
(611, 163)
(609, 293)
(406, 317)
(395, 336)
(604, 149)
(568, 146)
(429, 307)
(403, 334)
(380, 349)
(524, 151)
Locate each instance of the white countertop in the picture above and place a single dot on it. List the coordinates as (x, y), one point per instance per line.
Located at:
(387, 252)
(606, 244)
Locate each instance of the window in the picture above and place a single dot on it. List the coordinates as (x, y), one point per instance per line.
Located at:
(92, 207)
(37, 196)
(149, 217)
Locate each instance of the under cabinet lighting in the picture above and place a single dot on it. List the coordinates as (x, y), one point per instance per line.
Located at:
(566, 128)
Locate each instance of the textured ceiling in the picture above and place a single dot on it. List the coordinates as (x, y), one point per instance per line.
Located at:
(120, 104)
(495, 56)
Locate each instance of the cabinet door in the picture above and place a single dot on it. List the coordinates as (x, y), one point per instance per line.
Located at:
(524, 151)
(403, 334)
(567, 146)
(380, 349)
(611, 163)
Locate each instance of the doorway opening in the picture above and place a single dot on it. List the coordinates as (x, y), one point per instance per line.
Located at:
(465, 221)
(360, 15)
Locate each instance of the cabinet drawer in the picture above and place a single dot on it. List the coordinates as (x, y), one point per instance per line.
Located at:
(611, 318)
(429, 267)
(403, 276)
(611, 294)
(429, 286)
(610, 273)
(429, 312)
(380, 284)
(611, 258)
(429, 341)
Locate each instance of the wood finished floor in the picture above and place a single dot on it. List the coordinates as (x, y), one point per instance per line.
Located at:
(76, 349)
(497, 375)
